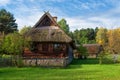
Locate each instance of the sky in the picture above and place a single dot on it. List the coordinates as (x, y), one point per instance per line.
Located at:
(78, 13)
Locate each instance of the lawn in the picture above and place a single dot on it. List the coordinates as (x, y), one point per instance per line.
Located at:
(79, 70)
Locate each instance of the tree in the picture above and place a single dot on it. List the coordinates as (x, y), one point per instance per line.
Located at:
(25, 29)
(64, 26)
(7, 22)
(82, 52)
(71, 34)
(114, 40)
(1, 41)
(84, 36)
(101, 37)
(76, 36)
(13, 45)
(96, 30)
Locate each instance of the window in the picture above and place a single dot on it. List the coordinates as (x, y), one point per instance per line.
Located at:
(57, 47)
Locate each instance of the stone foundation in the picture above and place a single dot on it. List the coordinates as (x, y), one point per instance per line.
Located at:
(53, 62)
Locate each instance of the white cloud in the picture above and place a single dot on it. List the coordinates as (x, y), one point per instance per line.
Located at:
(30, 15)
(26, 15)
(92, 22)
(93, 4)
(108, 19)
(79, 23)
(4, 2)
(28, 20)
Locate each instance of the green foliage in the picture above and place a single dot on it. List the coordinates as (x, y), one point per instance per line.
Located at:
(25, 29)
(71, 34)
(82, 36)
(7, 22)
(64, 26)
(101, 56)
(13, 43)
(101, 37)
(82, 50)
(85, 36)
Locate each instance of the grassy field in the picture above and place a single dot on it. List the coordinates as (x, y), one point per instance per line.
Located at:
(79, 70)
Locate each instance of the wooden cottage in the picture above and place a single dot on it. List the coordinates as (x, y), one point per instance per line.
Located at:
(51, 46)
(92, 49)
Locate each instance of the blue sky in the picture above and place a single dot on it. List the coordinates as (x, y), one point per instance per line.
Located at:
(78, 13)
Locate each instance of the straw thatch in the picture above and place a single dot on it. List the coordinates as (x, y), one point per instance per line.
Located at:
(48, 31)
(48, 34)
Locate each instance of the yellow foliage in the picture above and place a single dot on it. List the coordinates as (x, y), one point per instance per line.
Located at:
(101, 42)
(101, 37)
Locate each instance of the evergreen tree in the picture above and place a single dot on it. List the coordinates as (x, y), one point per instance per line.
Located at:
(7, 22)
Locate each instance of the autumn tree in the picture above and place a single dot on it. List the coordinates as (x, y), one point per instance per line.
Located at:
(7, 22)
(114, 40)
(101, 37)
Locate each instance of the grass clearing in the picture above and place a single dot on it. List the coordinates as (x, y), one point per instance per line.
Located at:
(79, 70)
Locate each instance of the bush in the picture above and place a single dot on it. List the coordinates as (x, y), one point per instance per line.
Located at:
(82, 52)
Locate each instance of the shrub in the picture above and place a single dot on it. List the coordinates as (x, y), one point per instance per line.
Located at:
(82, 52)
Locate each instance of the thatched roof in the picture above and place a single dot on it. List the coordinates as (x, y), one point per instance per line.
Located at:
(48, 34)
(48, 31)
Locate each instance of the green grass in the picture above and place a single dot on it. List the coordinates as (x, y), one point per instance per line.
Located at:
(79, 70)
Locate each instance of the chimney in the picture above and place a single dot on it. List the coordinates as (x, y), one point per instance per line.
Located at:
(55, 18)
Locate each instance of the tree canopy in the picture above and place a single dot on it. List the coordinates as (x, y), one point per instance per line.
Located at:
(64, 26)
(85, 36)
(25, 29)
(7, 22)
(114, 40)
(101, 37)
(13, 43)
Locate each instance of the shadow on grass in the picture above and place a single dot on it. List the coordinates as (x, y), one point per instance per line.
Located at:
(77, 63)
(85, 61)
(91, 61)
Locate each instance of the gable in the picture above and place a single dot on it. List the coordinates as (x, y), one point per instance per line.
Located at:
(46, 20)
